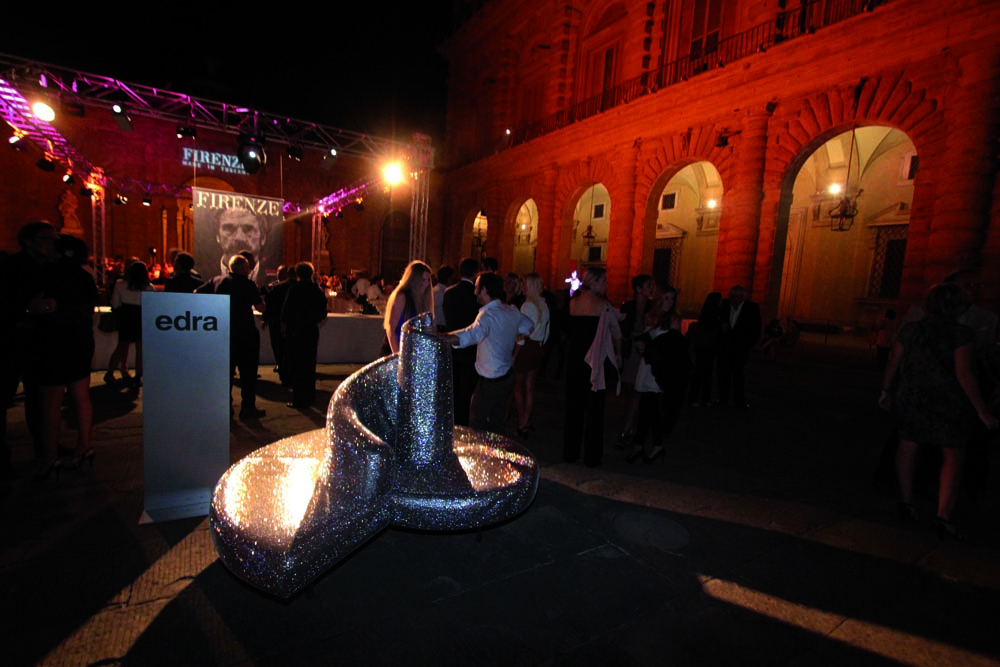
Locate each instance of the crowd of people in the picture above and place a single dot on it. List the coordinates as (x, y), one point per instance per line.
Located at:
(48, 344)
(939, 362)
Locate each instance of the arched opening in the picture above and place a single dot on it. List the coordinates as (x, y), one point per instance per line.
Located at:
(591, 227)
(525, 237)
(843, 218)
(688, 207)
(480, 228)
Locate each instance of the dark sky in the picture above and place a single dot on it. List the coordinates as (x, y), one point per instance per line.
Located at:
(370, 67)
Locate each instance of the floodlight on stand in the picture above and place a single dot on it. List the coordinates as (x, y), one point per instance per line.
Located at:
(122, 119)
(294, 153)
(185, 131)
(16, 143)
(146, 201)
(120, 200)
(251, 153)
(68, 178)
(45, 164)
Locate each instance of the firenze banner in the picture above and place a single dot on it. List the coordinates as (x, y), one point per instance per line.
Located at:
(226, 223)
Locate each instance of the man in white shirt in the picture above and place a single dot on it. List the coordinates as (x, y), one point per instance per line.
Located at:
(494, 332)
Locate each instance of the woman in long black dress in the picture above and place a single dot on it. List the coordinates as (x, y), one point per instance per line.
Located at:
(591, 319)
(937, 400)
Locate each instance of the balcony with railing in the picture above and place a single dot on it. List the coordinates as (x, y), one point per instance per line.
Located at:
(804, 20)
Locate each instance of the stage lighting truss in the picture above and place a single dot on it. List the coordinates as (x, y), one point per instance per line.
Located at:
(145, 101)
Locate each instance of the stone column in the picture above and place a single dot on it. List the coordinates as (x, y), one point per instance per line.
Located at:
(548, 226)
(624, 213)
(739, 226)
(958, 229)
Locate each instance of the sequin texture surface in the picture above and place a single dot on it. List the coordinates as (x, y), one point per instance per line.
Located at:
(389, 455)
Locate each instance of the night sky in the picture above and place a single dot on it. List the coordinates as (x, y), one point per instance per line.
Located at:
(370, 68)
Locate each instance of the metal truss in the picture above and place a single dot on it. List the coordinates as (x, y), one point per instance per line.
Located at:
(76, 87)
(21, 79)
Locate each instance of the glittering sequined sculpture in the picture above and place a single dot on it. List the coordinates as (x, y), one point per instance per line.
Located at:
(390, 454)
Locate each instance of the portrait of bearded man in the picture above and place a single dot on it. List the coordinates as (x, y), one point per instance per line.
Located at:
(238, 230)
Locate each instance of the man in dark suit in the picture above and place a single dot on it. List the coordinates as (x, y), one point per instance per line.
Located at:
(460, 310)
(244, 339)
(274, 302)
(303, 312)
(741, 330)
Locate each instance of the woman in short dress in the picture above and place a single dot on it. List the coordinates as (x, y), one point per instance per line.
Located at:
(662, 379)
(937, 400)
(61, 351)
(529, 357)
(126, 301)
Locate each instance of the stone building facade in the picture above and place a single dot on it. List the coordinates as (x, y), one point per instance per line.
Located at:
(705, 141)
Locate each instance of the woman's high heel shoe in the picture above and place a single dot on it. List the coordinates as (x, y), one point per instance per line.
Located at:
(946, 530)
(658, 453)
(78, 461)
(634, 454)
(906, 512)
(42, 475)
(624, 440)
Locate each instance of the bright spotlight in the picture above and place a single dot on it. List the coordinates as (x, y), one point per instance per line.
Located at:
(835, 188)
(43, 111)
(711, 203)
(393, 173)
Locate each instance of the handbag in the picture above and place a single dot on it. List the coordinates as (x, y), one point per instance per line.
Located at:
(108, 322)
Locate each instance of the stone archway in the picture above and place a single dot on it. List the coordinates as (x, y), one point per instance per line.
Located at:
(837, 270)
(684, 211)
(525, 237)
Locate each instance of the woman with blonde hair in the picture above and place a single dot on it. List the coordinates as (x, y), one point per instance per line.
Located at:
(411, 297)
(529, 357)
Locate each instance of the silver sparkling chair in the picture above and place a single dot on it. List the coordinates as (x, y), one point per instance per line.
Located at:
(389, 455)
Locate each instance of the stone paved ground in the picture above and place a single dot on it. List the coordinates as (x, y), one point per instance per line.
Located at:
(757, 541)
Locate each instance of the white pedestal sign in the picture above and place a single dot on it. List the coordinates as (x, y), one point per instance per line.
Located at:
(185, 400)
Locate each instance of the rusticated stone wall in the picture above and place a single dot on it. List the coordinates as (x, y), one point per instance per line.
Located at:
(896, 66)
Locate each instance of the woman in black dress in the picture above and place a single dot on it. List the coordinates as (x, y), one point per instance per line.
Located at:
(591, 320)
(61, 352)
(937, 400)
